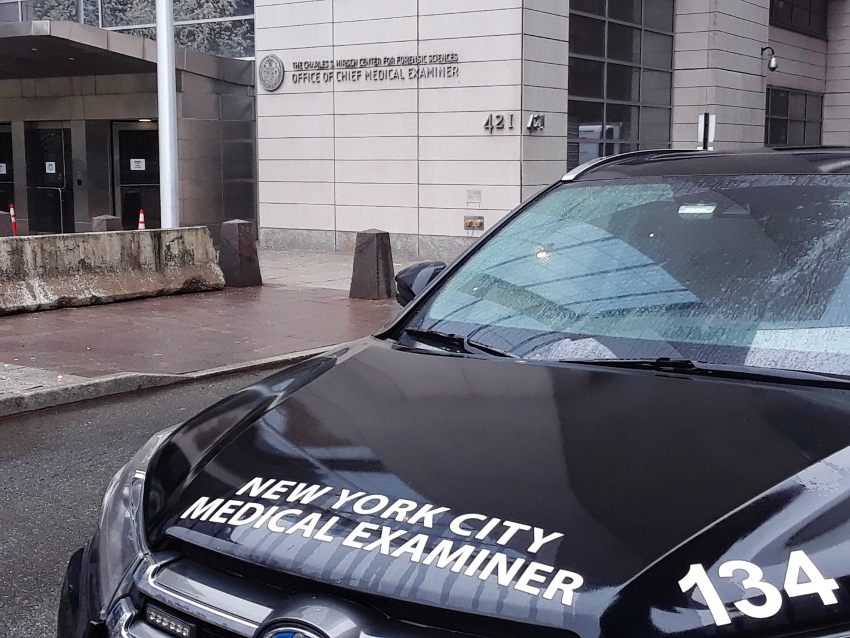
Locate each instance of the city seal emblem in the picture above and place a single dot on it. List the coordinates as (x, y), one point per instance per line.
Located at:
(271, 72)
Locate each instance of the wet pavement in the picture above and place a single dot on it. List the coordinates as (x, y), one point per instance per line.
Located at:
(304, 269)
(187, 333)
(55, 466)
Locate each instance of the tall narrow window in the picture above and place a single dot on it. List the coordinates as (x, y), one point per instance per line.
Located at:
(794, 118)
(621, 77)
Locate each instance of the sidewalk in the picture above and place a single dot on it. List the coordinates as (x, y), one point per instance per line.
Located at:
(303, 306)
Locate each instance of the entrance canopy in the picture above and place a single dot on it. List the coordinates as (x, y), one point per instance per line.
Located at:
(45, 48)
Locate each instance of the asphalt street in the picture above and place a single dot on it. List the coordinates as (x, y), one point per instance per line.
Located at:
(54, 467)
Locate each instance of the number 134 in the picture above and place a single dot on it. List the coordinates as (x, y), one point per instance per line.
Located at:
(799, 565)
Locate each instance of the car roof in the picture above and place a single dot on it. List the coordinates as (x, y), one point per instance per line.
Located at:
(764, 161)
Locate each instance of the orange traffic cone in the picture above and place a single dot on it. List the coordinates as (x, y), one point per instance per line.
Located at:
(142, 219)
(14, 220)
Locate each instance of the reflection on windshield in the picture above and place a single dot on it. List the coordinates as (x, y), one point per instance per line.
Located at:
(748, 270)
(581, 269)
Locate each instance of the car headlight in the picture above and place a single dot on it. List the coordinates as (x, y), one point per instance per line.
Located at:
(122, 539)
(121, 544)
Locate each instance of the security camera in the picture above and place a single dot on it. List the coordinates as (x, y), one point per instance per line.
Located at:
(773, 63)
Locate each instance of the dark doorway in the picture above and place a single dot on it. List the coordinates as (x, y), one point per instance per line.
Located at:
(137, 173)
(50, 187)
(7, 169)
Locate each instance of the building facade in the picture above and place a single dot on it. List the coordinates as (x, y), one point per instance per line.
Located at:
(430, 119)
(414, 116)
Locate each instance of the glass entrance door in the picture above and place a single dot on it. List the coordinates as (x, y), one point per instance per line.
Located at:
(7, 172)
(50, 185)
(136, 168)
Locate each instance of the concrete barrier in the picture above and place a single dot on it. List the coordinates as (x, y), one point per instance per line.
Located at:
(56, 271)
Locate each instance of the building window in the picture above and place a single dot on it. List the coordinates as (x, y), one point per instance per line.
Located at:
(805, 16)
(621, 77)
(220, 27)
(794, 118)
(14, 11)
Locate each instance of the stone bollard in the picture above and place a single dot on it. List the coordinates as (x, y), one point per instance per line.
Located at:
(106, 223)
(238, 255)
(372, 275)
(6, 225)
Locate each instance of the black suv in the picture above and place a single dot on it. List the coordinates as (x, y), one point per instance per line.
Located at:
(625, 412)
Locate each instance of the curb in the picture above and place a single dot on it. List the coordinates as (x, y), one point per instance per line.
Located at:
(123, 383)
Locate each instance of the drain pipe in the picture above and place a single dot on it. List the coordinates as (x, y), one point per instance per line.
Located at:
(81, 18)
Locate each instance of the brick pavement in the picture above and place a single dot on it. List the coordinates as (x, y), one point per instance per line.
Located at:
(187, 333)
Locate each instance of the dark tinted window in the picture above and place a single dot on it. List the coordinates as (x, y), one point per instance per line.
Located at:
(587, 36)
(794, 118)
(584, 114)
(805, 16)
(626, 10)
(623, 82)
(657, 50)
(623, 43)
(657, 87)
(621, 63)
(658, 14)
(587, 78)
(596, 7)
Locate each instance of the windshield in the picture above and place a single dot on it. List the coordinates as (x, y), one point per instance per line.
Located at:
(738, 270)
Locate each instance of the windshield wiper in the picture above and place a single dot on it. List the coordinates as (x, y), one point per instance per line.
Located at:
(662, 364)
(464, 344)
(702, 368)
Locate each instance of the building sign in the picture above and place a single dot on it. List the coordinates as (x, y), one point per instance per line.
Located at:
(50, 168)
(385, 69)
(137, 164)
(2, 169)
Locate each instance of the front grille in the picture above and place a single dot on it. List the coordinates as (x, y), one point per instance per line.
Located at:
(415, 613)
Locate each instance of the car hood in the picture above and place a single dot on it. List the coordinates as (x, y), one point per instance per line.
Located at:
(556, 495)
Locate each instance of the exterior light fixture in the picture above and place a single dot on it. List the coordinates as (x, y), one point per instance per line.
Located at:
(773, 63)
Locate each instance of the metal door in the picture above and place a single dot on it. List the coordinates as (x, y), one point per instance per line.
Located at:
(136, 170)
(7, 169)
(50, 184)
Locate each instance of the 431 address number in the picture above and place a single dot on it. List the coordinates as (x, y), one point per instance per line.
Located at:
(802, 578)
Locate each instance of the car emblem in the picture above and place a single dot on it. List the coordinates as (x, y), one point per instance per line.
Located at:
(286, 631)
